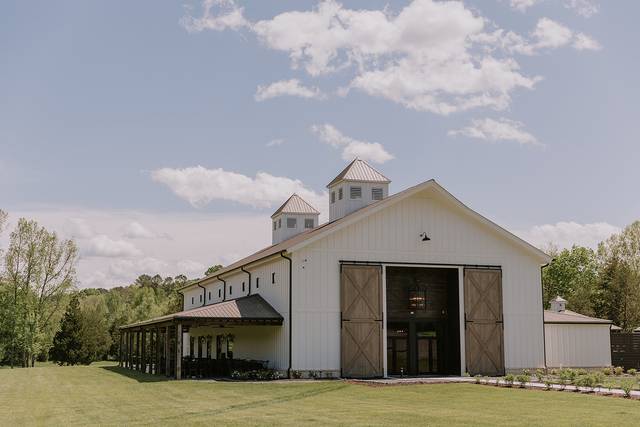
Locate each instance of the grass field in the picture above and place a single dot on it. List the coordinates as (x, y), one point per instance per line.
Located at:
(104, 394)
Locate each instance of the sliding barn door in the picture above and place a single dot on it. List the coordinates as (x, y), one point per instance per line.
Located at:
(361, 309)
(484, 330)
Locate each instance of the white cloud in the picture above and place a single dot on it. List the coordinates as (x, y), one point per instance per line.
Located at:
(199, 239)
(430, 56)
(135, 230)
(585, 8)
(523, 5)
(78, 228)
(497, 130)
(200, 186)
(104, 246)
(291, 87)
(566, 234)
(217, 15)
(351, 148)
(275, 142)
(191, 268)
(585, 42)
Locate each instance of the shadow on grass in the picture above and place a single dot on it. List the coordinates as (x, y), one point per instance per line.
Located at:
(135, 375)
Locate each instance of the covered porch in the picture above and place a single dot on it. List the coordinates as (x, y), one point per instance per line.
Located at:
(158, 346)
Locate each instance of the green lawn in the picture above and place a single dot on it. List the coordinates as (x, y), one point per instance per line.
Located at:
(104, 394)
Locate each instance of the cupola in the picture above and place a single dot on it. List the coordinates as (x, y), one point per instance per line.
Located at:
(357, 186)
(558, 304)
(293, 217)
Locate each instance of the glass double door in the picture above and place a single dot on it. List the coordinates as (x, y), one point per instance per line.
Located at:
(412, 348)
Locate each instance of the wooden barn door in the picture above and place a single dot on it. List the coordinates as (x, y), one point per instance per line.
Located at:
(484, 342)
(361, 312)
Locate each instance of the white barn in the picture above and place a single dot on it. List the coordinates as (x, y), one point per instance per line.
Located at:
(412, 283)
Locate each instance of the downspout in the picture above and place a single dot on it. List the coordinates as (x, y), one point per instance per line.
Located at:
(249, 273)
(544, 338)
(204, 296)
(282, 254)
(224, 288)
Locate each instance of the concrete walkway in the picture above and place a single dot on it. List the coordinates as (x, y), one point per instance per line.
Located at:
(415, 380)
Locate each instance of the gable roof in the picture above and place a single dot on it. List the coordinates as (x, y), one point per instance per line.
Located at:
(569, 316)
(247, 308)
(296, 205)
(359, 170)
(309, 236)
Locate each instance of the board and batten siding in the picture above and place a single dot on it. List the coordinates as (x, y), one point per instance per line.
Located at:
(269, 343)
(575, 345)
(392, 235)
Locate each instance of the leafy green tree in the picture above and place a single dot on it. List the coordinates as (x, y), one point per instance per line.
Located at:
(39, 272)
(619, 281)
(94, 331)
(573, 274)
(67, 343)
(212, 269)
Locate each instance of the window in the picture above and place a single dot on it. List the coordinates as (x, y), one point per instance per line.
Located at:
(340, 193)
(333, 197)
(279, 222)
(191, 345)
(257, 282)
(230, 290)
(376, 193)
(273, 278)
(308, 223)
(229, 346)
(356, 192)
(193, 301)
(200, 298)
(242, 286)
(209, 295)
(275, 223)
(291, 222)
(219, 293)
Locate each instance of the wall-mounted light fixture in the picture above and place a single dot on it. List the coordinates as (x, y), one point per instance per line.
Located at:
(424, 236)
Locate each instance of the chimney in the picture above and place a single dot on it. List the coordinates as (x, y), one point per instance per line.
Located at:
(558, 304)
(357, 186)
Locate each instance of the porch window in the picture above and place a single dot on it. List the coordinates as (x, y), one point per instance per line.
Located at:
(257, 282)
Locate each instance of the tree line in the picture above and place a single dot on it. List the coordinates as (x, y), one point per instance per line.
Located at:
(44, 316)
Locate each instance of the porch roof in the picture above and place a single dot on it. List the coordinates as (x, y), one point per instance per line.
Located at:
(250, 309)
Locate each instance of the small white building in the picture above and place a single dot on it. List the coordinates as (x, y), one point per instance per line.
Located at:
(573, 340)
(412, 283)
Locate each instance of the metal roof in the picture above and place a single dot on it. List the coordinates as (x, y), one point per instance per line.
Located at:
(249, 308)
(296, 205)
(359, 170)
(569, 316)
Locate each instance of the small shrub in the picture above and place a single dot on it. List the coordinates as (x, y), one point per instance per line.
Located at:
(581, 372)
(607, 371)
(547, 384)
(554, 372)
(618, 370)
(523, 379)
(509, 379)
(478, 378)
(466, 374)
(627, 386)
(296, 374)
(314, 374)
(526, 372)
(256, 375)
(540, 375)
(632, 372)
(585, 381)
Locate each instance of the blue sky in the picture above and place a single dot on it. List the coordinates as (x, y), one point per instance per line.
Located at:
(161, 135)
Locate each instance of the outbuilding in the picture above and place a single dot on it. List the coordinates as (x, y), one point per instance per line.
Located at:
(411, 283)
(573, 340)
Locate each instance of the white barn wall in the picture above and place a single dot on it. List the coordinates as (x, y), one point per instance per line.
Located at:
(577, 345)
(253, 342)
(392, 235)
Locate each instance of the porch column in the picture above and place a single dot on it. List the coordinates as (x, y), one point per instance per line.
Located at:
(167, 361)
(144, 350)
(138, 352)
(120, 350)
(130, 349)
(179, 351)
(156, 369)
